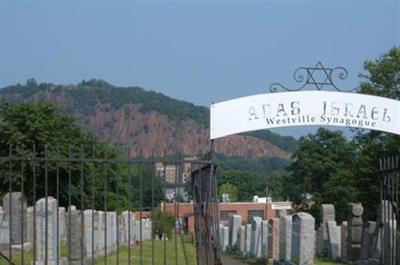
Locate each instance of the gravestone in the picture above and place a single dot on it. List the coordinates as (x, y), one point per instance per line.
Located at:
(303, 239)
(137, 233)
(234, 222)
(319, 242)
(29, 223)
(242, 240)
(4, 230)
(221, 235)
(99, 231)
(248, 239)
(225, 236)
(343, 240)
(264, 239)
(285, 240)
(328, 214)
(387, 228)
(62, 224)
(46, 233)
(111, 230)
(126, 227)
(90, 243)
(334, 242)
(273, 244)
(75, 238)
(17, 213)
(354, 231)
(366, 246)
(255, 245)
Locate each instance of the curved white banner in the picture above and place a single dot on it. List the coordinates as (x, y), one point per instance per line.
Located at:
(289, 109)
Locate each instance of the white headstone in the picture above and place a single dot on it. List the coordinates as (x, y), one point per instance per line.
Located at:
(234, 223)
(52, 252)
(334, 241)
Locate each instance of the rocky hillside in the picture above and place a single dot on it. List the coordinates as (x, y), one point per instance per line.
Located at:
(150, 121)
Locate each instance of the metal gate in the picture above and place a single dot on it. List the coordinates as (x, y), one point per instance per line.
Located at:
(93, 205)
(205, 203)
(389, 212)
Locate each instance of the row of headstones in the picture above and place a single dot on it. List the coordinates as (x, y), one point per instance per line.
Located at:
(355, 240)
(86, 234)
(289, 238)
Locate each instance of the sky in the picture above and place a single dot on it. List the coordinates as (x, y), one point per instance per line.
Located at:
(201, 52)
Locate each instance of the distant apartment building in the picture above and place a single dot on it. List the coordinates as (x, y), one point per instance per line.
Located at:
(171, 172)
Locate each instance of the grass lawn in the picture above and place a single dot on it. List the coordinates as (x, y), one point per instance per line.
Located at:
(319, 261)
(135, 255)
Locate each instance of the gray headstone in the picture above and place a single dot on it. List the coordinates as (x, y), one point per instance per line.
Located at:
(354, 231)
(264, 239)
(328, 214)
(285, 238)
(343, 240)
(111, 230)
(4, 229)
(52, 252)
(90, 243)
(255, 245)
(234, 222)
(62, 224)
(303, 239)
(273, 244)
(75, 236)
(99, 226)
(17, 213)
(242, 240)
(225, 236)
(221, 235)
(146, 229)
(248, 239)
(382, 237)
(29, 223)
(127, 227)
(366, 246)
(333, 239)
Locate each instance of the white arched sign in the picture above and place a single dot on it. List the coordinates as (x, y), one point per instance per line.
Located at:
(289, 109)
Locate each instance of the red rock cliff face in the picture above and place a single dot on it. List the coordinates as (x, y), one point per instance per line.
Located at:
(154, 133)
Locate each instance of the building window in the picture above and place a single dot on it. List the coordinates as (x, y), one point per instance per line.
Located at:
(253, 213)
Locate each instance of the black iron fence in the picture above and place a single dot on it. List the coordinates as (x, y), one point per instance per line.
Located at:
(206, 212)
(389, 212)
(88, 205)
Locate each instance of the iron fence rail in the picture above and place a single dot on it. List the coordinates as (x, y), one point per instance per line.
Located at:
(106, 185)
(389, 213)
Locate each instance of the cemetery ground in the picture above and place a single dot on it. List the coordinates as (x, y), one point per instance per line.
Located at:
(147, 254)
(244, 261)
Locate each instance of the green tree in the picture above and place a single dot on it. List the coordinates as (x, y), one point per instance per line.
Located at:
(163, 223)
(39, 130)
(382, 78)
(229, 189)
(321, 173)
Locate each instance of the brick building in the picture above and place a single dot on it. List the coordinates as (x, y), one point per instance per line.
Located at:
(245, 209)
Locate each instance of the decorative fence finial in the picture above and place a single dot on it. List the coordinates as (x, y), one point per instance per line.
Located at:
(306, 76)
